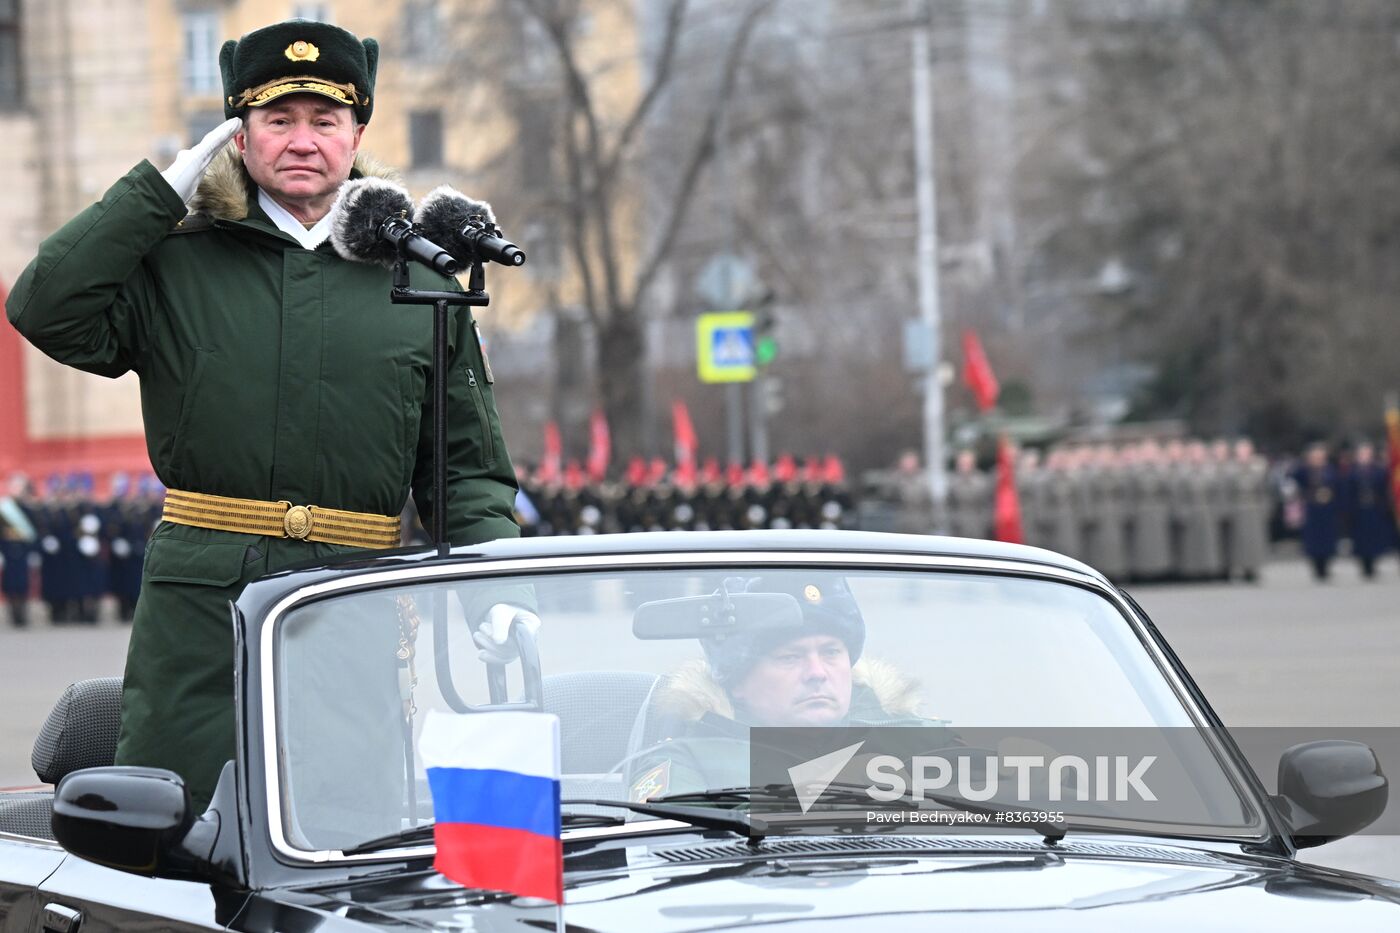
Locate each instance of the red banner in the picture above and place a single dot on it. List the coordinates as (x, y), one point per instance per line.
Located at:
(977, 372)
(599, 446)
(687, 443)
(1007, 510)
(552, 463)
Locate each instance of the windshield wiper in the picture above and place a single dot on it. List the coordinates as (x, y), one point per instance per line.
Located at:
(703, 817)
(420, 833)
(1051, 831)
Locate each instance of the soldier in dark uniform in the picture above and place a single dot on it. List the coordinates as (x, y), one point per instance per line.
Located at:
(17, 545)
(58, 543)
(1370, 513)
(836, 507)
(123, 527)
(1318, 488)
(90, 562)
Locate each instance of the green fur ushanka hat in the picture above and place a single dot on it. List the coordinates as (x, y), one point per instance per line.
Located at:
(299, 57)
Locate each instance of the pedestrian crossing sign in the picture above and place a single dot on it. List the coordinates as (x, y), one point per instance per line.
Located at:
(724, 346)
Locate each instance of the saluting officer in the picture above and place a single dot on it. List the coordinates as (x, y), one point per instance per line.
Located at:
(285, 398)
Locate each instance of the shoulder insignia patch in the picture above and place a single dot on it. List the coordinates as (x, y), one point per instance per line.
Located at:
(652, 784)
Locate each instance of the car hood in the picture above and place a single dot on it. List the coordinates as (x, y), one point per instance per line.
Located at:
(1101, 884)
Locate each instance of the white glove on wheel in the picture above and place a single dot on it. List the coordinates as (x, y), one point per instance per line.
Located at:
(190, 164)
(494, 636)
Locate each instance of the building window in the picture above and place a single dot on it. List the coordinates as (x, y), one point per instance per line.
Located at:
(11, 75)
(425, 30)
(425, 138)
(201, 63)
(316, 12)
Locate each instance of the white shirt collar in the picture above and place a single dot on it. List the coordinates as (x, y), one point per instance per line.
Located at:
(285, 222)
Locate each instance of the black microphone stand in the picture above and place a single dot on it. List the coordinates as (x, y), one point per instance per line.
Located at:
(475, 296)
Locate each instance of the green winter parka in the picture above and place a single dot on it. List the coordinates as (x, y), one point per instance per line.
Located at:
(268, 371)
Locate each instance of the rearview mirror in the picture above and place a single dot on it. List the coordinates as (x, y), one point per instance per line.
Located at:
(1329, 789)
(717, 614)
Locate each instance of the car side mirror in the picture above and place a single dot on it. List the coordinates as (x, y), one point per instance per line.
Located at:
(132, 819)
(1329, 789)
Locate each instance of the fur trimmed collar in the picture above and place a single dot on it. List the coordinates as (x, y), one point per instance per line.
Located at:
(225, 189)
(691, 690)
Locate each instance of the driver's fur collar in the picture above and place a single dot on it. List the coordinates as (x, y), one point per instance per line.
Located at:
(691, 690)
(226, 188)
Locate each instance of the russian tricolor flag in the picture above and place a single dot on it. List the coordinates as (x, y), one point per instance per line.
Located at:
(495, 784)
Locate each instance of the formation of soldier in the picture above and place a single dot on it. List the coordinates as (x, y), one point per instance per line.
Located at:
(1148, 510)
(64, 549)
(655, 497)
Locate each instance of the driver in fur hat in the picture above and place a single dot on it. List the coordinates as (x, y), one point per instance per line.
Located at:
(813, 674)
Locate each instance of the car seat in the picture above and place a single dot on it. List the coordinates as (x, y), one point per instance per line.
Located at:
(80, 732)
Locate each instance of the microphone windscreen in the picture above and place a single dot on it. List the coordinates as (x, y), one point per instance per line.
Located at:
(443, 214)
(359, 210)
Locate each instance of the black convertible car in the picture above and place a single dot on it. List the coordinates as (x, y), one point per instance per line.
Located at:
(663, 656)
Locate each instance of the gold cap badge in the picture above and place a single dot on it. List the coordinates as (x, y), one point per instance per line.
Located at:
(811, 593)
(302, 51)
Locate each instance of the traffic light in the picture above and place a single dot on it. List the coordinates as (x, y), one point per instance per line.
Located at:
(765, 344)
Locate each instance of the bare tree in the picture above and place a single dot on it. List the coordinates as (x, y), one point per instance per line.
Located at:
(570, 100)
(1238, 164)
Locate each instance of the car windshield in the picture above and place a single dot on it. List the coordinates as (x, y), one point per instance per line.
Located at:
(659, 674)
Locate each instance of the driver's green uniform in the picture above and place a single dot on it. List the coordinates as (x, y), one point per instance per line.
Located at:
(268, 371)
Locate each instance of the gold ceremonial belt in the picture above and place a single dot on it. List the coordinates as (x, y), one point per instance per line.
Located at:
(281, 520)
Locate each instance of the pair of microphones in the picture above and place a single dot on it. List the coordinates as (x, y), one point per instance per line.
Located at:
(373, 220)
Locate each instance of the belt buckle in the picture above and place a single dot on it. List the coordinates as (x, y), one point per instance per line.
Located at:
(297, 522)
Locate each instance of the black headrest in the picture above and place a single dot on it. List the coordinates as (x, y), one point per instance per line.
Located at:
(81, 731)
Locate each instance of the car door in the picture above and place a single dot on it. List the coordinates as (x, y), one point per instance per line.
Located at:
(24, 864)
(82, 894)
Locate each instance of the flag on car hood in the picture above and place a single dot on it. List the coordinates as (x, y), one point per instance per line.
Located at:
(495, 784)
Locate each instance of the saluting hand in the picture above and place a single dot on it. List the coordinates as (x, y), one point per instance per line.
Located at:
(190, 164)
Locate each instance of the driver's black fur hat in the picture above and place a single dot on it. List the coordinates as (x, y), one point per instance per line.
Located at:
(828, 608)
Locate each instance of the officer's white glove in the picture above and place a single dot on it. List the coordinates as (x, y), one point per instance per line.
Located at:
(494, 636)
(191, 164)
